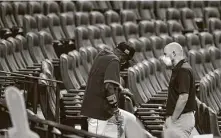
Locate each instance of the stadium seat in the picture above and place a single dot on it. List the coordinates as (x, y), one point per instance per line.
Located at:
(51, 7)
(161, 8)
(187, 18)
(103, 5)
(146, 28)
(134, 81)
(96, 18)
(46, 44)
(55, 27)
(82, 37)
(67, 25)
(106, 36)
(68, 77)
(30, 24)
(130, 30)
(196, 61)
(82, 18)
(215, 54)
(217, 39)
(181, 39)
(173, 14)
(152, 76)
(139, 50)
(78, 68)
(214, 25)
(197, 7)
(111, 17)
(161, 29)
(88, 55)
(117, 33)
(95, 37)
(3, 64)
(84, 6)
(116, 5)
(34, 8)
(132, 6)
(193, 41)
(151, 83)
(20, 9)
(160, 73)
(67, 7)
(9, 58)
(206, 40)
(146, 10)
(127, 16)
(42, 23)
(17, 53)
(25, 50)
(7, 16)
(157, 46)
(34, 47)
(207, 60)
(148, 49)
(174, 27)
(215, 4)
(210, 98)
(179, 4)
(210, 13)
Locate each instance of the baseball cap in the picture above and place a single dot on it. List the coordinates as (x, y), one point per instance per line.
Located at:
(127, 49)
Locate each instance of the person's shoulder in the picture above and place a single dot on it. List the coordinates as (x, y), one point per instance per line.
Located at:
(108, 54)
(186, 67)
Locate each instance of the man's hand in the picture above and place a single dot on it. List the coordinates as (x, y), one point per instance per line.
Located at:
(173, 119)
(126, 91)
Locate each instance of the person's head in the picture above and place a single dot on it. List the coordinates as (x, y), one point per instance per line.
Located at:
(125, 52)
(173, 53)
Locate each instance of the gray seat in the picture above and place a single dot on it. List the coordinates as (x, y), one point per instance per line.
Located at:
(146, 10)
(34, 47)
(111, 17)
(68, 25)
(146, 28)
(55, 27)
(106, 36)
(82, 37)
(130, 30)
(117, 33)
(46, 44)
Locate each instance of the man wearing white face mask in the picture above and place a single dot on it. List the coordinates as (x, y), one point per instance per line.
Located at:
(181, 94)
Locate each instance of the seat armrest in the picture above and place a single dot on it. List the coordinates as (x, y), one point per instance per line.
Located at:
(75, 90)
(32, 67)
(158, 98)
(37, 69)
(37, 64)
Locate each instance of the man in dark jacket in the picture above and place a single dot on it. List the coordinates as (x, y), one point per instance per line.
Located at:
(100, 102)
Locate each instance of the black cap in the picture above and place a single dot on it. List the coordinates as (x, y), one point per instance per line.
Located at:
(127, 49)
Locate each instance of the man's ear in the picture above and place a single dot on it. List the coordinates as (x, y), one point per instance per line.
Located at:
(174, 54)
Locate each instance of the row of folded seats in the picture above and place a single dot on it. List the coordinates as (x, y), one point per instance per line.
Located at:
(206, 120)
(210, 90)
(143, 9)
(209, 94)
(72, 18)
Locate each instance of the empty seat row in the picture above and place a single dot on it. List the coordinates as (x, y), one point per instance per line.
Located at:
(210, 90)
(204, 61)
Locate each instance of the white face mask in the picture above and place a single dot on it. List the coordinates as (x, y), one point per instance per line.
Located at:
(167, 61)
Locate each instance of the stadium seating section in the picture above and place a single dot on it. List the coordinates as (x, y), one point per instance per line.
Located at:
(48, 47)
